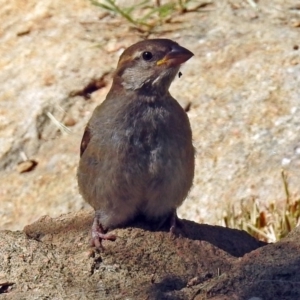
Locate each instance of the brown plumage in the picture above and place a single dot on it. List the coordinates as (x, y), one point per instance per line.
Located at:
(137, 157)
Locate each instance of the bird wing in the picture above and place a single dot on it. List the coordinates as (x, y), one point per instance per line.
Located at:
(85, 140)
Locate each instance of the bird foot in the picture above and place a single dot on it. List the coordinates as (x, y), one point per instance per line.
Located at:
(175, 224)
(99, 234)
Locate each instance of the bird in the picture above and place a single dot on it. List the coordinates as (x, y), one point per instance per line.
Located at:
(137, 158)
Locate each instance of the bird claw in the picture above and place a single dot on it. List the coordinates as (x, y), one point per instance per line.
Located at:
(175, 225)
(97, 238)
(99, 234)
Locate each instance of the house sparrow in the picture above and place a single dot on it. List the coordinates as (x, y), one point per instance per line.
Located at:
(137, 157)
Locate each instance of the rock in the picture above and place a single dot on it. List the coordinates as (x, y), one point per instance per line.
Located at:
(51, 258)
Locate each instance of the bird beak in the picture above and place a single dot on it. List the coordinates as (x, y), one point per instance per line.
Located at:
(176, 56)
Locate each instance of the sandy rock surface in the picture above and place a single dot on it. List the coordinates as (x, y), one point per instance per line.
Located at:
(51, 259)
(242, 87)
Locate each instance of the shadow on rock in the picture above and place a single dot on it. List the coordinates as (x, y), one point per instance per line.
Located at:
(169, 284)
(233, 241)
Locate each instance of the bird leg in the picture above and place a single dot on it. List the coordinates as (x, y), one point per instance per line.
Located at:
(173, 221)
(99, 234)
(175, 224)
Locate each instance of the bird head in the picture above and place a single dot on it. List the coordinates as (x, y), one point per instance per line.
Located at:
(150, 66)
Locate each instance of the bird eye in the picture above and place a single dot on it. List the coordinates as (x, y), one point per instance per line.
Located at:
(147, 55)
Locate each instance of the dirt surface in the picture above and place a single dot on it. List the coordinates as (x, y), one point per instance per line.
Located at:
(242, 93)
(54, 260)
(242, 88)
(51, 260)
